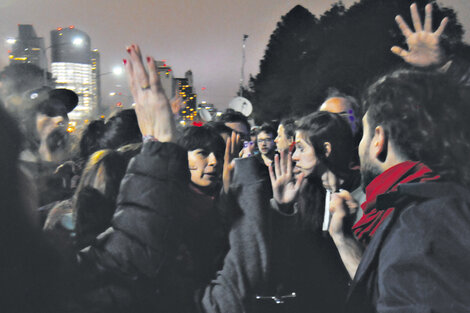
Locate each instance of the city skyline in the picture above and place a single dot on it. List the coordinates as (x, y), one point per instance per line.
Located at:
(203, 36)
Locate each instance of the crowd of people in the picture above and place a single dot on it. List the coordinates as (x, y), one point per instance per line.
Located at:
(360, 206)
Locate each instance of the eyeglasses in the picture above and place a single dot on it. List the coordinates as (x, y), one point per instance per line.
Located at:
(267, 140)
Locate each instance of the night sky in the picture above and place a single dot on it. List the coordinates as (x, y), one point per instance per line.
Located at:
(204, 35)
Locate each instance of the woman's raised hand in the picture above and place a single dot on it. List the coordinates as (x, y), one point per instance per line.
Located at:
(423, 44)
(152, 107)
(232, 148)
(285, 187)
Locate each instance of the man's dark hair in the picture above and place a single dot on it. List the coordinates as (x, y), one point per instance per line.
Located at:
(268, 129)
(231, 116)
(289, 127)
(202, 138)
(424, 115)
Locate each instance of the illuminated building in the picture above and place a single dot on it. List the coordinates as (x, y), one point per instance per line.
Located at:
(185, 89)
(166, 78)
(96, 81)
(73, 68)
(27, 47)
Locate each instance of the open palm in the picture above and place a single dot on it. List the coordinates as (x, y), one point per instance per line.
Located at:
(423, 44)
(285, 188)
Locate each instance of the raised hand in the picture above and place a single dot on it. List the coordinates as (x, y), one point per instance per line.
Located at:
(423, 45)
(231, 152)
(285, 188)
(151, 104)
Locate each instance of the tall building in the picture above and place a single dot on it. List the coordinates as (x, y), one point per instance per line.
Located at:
(185, 89)
(73, 68)
(166, 78)
(27, 47)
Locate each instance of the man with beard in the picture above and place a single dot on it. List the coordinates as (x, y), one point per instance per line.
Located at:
(416, 221)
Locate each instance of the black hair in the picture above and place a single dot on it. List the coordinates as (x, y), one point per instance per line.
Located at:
(202, 138)
(219, 128)
(320, 127)
(424, 114)
(289, 127)
(231, 116)
(267, 128)
(94, 208)
(120, 129)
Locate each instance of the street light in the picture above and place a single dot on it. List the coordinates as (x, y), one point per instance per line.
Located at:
(11, 41)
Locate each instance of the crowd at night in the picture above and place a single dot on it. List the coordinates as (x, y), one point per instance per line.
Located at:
(355, 202)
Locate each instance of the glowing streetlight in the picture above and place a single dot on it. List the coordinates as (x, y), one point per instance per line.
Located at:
(11, 41)
(117, 70)
(77, 41)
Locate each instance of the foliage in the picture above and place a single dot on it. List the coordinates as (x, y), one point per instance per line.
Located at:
(344, 48)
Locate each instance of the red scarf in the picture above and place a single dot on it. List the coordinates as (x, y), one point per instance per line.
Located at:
(388, 181)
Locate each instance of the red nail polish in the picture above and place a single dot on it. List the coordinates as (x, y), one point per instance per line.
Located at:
(148, 59)
(128, 50)
(124, 61)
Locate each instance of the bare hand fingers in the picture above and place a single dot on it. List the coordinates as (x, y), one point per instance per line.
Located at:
(271, 175)
(349, 200)
(233, 143)
(277, 166)
(405, 30)
(228, 144)
(399, 51)
(130, 77)
(154, 79)
(442, 27)
(140, 74)
(415, 17)
(428, 18)
(298, 183)
(289, 165)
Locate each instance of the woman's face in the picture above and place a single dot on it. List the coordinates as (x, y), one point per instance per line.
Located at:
(205, 169)
(304, 156)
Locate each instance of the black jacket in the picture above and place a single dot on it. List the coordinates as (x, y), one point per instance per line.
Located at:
(130, 265)
(418, 260)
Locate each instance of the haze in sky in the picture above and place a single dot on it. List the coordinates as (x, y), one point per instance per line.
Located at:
(204, 35)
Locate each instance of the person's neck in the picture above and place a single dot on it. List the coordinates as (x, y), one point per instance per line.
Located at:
(267, 158)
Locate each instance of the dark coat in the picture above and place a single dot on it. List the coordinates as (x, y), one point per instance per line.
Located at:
(130, 265)
(297, 261)
(418, 260)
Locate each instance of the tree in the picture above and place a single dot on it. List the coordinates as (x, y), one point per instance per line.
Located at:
(346, 49)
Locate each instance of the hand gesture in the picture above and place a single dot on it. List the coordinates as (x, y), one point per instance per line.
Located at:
(176, 103)
(342, 208)
(231, 152)
(285, 188)
(423, 44)
(152, 107)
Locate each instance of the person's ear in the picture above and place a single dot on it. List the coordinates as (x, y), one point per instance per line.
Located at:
(379, 144)
(327, 147)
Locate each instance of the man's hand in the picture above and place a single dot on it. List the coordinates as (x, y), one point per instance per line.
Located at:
(342, 208)
(231, 152)
(285, 189)
(423, 45)
(151, 104)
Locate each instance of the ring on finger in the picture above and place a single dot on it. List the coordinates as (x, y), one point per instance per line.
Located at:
(145, 87)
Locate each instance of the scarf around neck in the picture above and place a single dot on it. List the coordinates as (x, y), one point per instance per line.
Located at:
(388, 181)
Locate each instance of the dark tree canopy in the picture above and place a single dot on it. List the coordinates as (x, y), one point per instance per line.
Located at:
(344, 48)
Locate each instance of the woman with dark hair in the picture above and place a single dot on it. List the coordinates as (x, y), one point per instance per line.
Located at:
(324, 150)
